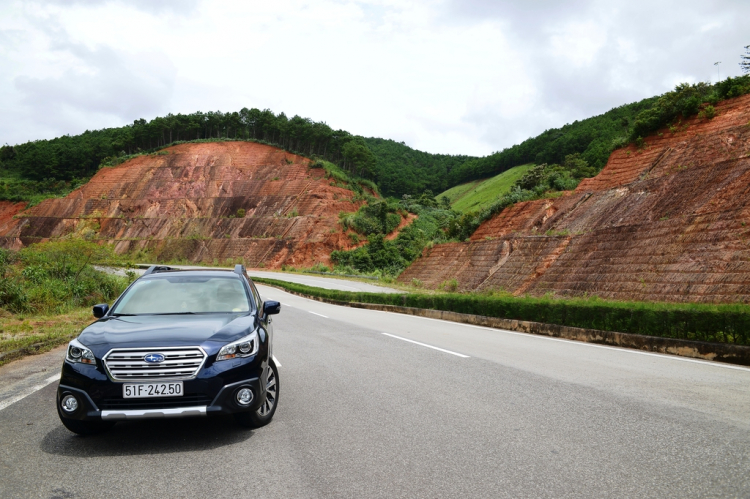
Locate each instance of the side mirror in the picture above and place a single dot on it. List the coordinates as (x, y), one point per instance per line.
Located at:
(100, 310)
(271, 307)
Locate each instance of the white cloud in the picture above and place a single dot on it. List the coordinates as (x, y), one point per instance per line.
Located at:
(450, 76)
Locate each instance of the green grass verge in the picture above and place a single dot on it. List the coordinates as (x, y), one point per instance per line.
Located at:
(698, 322)
(21, 335)
(46, 291)
(475, 196)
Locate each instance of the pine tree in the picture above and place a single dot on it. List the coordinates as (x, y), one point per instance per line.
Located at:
(745, 63)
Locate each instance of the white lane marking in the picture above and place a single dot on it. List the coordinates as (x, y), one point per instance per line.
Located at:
(28, 392)
(426, 345)
(276, 361)
(576, 343)
(318, 314)
(285, 304)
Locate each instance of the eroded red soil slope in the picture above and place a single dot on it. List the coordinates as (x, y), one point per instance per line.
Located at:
(669, 222)
(8, 210)
(185, 203)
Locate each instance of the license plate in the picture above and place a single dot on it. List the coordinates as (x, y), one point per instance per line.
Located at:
(145, 390)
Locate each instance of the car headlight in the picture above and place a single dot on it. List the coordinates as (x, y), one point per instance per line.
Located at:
(244, 347)
(79, 353)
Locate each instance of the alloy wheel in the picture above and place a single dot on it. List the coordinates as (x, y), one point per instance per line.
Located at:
(270, 401)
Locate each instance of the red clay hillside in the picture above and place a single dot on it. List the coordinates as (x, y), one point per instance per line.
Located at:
(667, 222)
(211, 202)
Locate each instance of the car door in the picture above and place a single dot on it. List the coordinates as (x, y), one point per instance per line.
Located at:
(266, 320)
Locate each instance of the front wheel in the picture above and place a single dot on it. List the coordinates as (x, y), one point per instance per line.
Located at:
(263, 415)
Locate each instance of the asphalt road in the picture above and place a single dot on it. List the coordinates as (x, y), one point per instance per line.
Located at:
(324, 282)
(363, 414)
(340, 284)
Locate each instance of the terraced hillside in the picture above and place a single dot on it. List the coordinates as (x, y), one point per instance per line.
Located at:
(204, 202)
(667, 222)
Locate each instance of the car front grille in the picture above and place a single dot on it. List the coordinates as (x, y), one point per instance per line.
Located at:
(112, 404)
(127, 364)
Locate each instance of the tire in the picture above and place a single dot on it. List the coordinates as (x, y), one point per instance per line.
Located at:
(264, 414)
(84, 427)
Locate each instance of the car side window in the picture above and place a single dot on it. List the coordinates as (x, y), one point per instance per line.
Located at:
(257, 297)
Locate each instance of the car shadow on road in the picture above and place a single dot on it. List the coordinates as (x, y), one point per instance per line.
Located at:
(131, 438)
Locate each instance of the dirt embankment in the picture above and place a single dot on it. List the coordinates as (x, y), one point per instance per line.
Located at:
(667, 222)
(189, 203)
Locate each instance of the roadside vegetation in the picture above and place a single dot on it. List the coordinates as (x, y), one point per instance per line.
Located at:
(46, 291)
(381, 256)
(689, 321)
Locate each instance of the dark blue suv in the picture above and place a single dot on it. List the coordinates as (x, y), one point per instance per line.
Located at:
(176, 343)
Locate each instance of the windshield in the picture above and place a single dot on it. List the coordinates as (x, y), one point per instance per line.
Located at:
(184, 295)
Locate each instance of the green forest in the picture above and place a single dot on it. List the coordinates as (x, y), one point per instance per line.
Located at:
(400, 170)
(44, 168)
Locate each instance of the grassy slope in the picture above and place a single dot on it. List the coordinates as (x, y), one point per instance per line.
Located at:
(474, 196)
(455, 193)
(25, 334)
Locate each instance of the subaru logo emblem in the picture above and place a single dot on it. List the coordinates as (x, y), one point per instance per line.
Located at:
(154, 358)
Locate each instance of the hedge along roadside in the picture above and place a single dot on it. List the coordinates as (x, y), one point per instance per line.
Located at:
(694, 322)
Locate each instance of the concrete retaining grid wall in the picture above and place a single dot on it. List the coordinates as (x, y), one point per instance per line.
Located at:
(720, 352)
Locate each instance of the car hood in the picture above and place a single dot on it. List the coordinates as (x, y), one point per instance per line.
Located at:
(165, 331)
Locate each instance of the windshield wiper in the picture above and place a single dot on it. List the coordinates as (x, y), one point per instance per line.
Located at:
(123, 315)
(176, 313)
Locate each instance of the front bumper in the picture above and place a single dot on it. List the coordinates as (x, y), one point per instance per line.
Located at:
(175, 412)
(212, 392)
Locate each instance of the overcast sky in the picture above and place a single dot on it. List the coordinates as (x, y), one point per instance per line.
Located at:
(451, 76)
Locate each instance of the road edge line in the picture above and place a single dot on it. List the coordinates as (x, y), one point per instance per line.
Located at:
(7, 403)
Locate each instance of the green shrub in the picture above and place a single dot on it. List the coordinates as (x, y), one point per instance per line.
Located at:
(450, 285)
(733, 87)
(55, 277)
(319, 267)
(685, 100)
(12, 296)
(708, 112)
(376, 217)
(619, 143)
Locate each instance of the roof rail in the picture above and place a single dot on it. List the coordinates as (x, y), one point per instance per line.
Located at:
(239, 269)
(156, 268)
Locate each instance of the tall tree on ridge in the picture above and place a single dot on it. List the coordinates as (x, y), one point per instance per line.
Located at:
(745, 63)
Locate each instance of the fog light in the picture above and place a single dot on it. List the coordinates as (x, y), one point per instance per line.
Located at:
(244, 396)
(69, 404)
